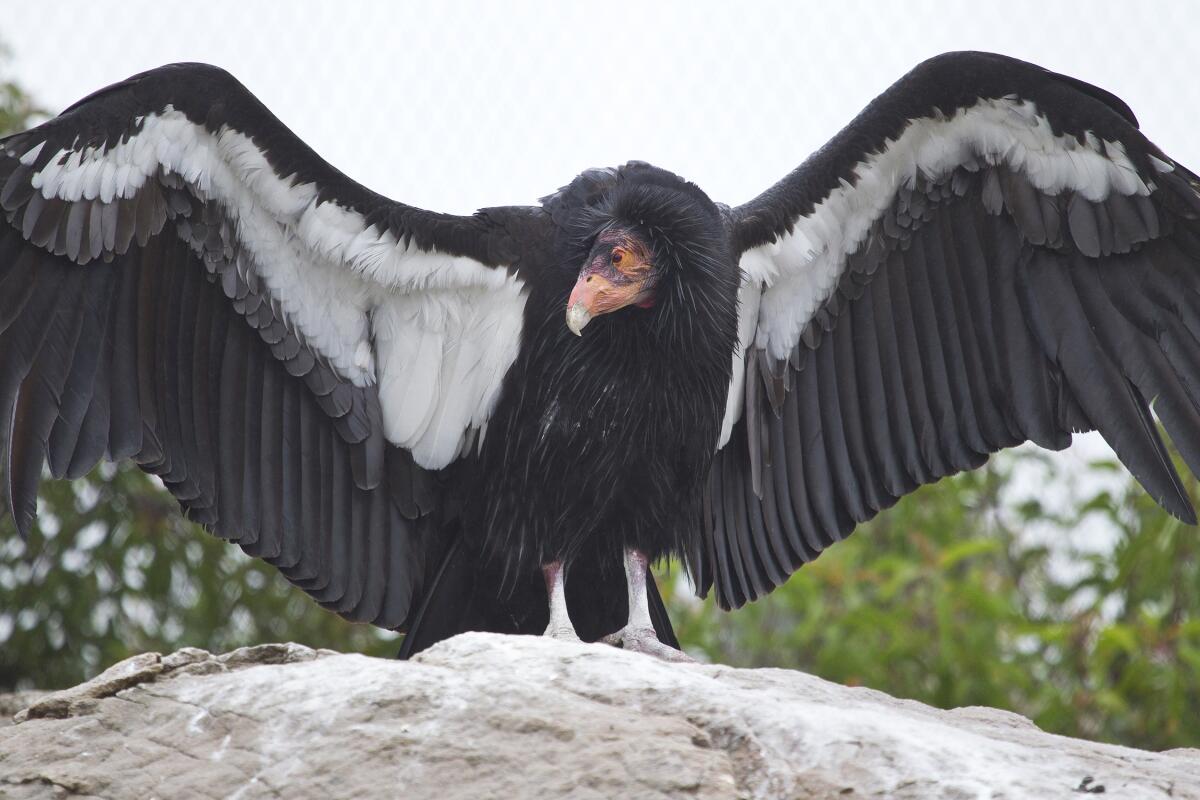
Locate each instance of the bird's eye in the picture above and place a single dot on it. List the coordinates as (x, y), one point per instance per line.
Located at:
(618, 255)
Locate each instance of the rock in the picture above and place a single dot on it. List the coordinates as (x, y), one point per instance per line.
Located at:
(79, 699)
(483, 716)
(148, 666)
(10, 704)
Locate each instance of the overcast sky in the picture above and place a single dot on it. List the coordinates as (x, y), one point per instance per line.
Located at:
(454, 106)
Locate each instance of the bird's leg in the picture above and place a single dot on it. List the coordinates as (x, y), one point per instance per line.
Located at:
(638, 634)
(560, 626)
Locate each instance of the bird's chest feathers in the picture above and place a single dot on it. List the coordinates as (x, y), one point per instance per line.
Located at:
(565, 422)
(616, 422)
(606, 425)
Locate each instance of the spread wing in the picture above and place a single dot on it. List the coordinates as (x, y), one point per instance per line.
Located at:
(989, 254)
(185, 283)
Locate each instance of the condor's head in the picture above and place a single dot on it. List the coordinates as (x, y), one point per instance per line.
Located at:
(621, 270)
(656, 251)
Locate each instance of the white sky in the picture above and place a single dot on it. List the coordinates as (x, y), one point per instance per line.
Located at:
(454, 106)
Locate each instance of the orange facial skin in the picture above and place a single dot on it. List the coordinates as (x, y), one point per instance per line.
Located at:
(620, 273)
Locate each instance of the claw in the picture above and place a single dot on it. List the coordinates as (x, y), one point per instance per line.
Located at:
(562, 633)
(645, 640)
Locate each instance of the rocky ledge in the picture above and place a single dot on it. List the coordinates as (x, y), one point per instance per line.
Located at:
(483, 716)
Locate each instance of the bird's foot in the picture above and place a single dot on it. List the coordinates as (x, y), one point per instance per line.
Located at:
(563, 633)
(645, 640)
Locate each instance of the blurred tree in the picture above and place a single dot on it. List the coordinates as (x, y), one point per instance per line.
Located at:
(17, 109)
(112, 569)
(944, 599)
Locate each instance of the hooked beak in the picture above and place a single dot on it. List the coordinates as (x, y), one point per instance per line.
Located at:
(592, 296)
(578, 317)
(595, 294)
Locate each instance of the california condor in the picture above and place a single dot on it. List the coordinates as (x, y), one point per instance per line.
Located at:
(434, 422)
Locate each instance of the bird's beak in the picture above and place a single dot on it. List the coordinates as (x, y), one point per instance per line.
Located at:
(588, 300)
(595, 294)
(578, 317)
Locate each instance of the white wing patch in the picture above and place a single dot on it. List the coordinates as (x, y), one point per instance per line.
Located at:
(800, 270)
(748, 299)
(442, 359)
(445, 328)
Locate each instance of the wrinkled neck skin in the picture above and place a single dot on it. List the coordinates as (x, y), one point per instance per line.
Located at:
(604, 441)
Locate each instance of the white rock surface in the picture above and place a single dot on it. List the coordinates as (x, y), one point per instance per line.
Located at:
(484, 716)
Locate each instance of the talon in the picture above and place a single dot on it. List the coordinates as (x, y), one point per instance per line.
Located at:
(613, 639)
(645, 640)
(562, 634)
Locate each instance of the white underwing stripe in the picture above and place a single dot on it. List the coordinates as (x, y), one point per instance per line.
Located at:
(436, 332)
(748, 299)
(1160, 165)
(219, 165)
(801, 269)
(442, 360)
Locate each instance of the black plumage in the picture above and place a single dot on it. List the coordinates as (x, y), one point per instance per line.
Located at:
(403, 411)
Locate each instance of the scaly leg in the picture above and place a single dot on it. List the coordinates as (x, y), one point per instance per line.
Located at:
(560, 626)
(638, 634)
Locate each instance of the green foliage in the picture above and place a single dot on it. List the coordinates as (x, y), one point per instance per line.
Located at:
(950, 598)
(112, 570)
(17, 109)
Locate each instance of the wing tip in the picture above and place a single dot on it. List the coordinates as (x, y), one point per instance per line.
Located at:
(1180, 507)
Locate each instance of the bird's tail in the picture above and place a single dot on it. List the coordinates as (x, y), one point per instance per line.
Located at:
(463, 595)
